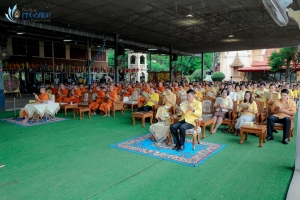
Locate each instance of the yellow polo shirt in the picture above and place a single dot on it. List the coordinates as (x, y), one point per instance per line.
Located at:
(154, 97)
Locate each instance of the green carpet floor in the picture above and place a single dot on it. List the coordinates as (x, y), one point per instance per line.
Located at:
(72, 160)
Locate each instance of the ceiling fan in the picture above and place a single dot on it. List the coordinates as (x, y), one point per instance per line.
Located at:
(278, 10)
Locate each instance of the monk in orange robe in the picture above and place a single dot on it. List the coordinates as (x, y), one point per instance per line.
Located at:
(38, 99)
(82, 88)
(129, 91)
(175, 88)
(54, 90)
(62, 93)
(160, 88)
(93, 87)
(142, 100)
(119, 87)
(111, 97)
(99, 99)
(75, 96)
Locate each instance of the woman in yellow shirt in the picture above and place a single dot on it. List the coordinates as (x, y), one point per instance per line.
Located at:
(169, 100)
(247, 114)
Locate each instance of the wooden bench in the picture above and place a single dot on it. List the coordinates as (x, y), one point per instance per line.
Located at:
(81, 111)
(142, 116)
(260, 130)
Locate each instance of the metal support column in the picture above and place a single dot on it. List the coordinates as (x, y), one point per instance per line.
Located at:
(202, 68)
(88, 63)
(116, 78)
(2, 99)
(53, 62)
(171, 59)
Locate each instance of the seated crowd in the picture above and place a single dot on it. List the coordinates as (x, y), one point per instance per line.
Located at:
(164, 97)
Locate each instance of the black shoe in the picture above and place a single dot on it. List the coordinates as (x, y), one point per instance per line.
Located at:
(180, 148)
(269, 137)
(285, 141)
(176, 147)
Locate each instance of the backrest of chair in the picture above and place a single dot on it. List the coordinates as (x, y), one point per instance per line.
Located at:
(161, 98)
(178, 100)
(93, 96)
(268, 108)
(85, 97)
(208, 105)
(235, 103)
(120, 97)
(260, 106)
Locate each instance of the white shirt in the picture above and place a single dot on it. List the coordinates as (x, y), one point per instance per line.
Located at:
(233, 96)
(56, 81)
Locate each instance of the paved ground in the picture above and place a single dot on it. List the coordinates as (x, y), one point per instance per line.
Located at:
(20, 102)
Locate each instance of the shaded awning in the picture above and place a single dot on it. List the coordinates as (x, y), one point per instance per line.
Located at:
(255, 69)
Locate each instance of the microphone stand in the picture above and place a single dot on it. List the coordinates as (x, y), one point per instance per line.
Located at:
(15, 115)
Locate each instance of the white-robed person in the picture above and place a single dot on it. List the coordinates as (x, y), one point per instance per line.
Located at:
(247, 113)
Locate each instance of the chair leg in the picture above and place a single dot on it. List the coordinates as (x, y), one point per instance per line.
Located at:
(198, 138)
(203, 131)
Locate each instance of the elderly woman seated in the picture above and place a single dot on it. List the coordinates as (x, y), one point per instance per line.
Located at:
(168, 101)
(248, 109)
(222, 105)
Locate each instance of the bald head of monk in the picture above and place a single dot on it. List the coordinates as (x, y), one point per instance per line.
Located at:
(42, 90)
(111, 88)
(62, 86)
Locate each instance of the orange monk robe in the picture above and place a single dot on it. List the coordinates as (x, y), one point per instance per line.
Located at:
(186, 87)
(54, 91)
(176, 89)
(82, 90)
(105, 106)
(116, 89)
(94, 89)
(74, 98)
(119, 88)
(129, 92)
(142, 100)
(95, 105)
(43, 97)
(161, 88)
(61, 98)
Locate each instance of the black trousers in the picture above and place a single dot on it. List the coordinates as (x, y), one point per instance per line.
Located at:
(145, 108)
(182, 126)
(286, 125)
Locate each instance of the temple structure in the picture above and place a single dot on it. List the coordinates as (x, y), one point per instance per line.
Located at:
(137, 67)
(252, 65)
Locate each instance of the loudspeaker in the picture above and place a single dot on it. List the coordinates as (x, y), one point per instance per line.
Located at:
(175, 57)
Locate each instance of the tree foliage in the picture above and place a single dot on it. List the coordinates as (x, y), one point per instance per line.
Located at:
(197, 75)
(287, 58)
(186, 64)
(218, 76)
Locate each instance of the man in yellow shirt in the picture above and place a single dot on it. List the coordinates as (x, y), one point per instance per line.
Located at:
(150, 101)
(283, 109)
(287, 86)
(187, 121)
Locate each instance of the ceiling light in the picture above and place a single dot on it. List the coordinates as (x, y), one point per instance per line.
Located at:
(152, 49)
(126, 49)
(230, 35)
(20, 33)
(98, 46)
(67, 40)
(189, 15)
